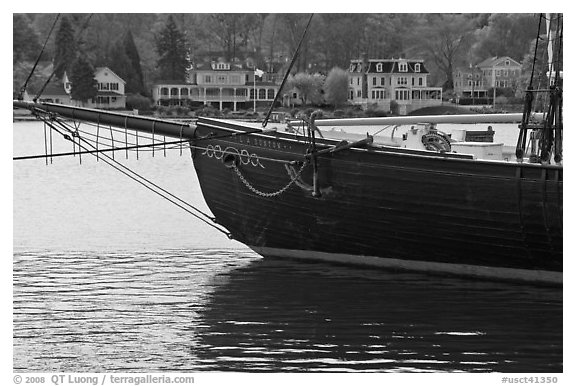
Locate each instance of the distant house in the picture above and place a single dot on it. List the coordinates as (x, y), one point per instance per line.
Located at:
(381, 81)
(218, 83)
(496, 72)
(111, 94)
(110, 91)
(53, 93)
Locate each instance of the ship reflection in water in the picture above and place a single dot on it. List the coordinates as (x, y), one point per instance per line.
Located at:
(212, 310)
(284, 316)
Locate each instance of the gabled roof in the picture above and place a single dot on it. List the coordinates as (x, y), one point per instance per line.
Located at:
(55, 88)
(496, 61)
(101, 69)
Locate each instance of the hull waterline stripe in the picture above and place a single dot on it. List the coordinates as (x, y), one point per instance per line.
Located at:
(502, 273)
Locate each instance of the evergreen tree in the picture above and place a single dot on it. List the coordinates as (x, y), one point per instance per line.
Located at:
(135, 82)
(25, 41)
(83, 82)
(119, 62)
(65, 54)
(172, 54)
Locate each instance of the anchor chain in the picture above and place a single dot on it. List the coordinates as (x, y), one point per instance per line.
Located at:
(265, 194)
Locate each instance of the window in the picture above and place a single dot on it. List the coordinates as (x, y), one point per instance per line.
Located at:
(507, 62)
(359, 94)
(505, 72)
(351, 81)
(403, 67)
(382, 81)
(497, 72)
(207, 79)
(271, 93)
(417, 67)
(402, 80)
(402, 95)
(262, 94)
(358, 81)
(379, 67)
(374, 81)
(420, 81)
(373, 94)
(351, 94)
(412, 81)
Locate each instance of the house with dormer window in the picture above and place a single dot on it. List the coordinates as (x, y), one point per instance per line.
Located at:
(381, 81)
(475, 81)
(219, 83)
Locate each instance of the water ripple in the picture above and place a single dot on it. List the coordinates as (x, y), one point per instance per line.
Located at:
(230, 310)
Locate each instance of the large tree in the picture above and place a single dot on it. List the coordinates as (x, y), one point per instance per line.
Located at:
(233, 31)
(83, 82)
(25, 41)
(135, 82)
(336, 87)
(309, 86)
(172, 54)
(506, 35)
(444, 38)
(65, 54)
(338, 38)
(124, 60)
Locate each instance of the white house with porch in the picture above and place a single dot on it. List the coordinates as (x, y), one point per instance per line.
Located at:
(221, 84)
(381, 81)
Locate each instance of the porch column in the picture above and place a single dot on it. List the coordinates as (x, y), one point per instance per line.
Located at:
(220, 98)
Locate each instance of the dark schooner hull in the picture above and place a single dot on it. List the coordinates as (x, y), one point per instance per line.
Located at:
(384, 206)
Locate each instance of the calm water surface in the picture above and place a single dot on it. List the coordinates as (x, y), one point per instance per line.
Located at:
(109, 277)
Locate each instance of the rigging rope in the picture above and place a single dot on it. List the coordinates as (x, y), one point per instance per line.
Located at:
(113, 149)
(23, 88)
(187, 207)
(55, 65)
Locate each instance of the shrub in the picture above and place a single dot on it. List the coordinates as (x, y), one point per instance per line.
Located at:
(394, 108)
(376, 113)
(137, 101)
